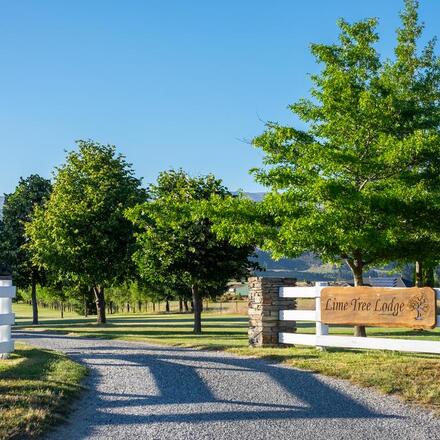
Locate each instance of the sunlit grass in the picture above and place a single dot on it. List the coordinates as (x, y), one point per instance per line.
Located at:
(36, 388)
(218, 329)
(413, 377)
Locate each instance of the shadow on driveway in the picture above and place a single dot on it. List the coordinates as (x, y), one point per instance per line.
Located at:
(188, 378)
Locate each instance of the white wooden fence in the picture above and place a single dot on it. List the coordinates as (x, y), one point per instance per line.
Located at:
(321, 338)
(7, 292)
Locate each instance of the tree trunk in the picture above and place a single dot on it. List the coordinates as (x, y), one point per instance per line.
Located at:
(100, 304)
(180, 305)
(419, 274)
(167, 306)
(34, 298)
(186, 306)
(62, 310)
(356, 267)
(197, 303)
(154, 306)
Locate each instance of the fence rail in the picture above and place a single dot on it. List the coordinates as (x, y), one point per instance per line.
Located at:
(321, 338)
(7, 318)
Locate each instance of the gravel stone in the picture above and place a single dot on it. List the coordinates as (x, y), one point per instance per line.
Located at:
(145, 391)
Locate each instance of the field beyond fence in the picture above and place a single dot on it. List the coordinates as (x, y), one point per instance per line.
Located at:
(228, 307)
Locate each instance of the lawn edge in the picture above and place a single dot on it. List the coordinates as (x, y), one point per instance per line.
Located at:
(65, 407)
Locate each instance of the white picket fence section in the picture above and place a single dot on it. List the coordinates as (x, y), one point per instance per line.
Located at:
(321, 338)
(7, 318)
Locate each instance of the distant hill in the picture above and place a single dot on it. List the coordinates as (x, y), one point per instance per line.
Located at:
(308, 267)
(256, 197)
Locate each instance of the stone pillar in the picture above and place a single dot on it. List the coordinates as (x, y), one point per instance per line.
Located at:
(264, 307)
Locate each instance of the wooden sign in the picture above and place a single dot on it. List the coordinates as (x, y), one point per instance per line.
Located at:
(379, 306)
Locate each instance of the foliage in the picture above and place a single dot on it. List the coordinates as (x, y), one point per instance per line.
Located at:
(17, 212)
(365, 171)
(177, 248)
(415, 81)
(132, 293)
(15, 255)
(81, 234)
(360, 181)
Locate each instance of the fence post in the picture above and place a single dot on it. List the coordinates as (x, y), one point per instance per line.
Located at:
(7, 292)
(264, 308)
(321, 329)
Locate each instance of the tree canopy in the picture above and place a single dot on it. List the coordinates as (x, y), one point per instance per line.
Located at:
(81, 233)
(176, 247)
(364, 162)
(15, 255)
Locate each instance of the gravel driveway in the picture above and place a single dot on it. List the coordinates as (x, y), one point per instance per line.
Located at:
(144, 391)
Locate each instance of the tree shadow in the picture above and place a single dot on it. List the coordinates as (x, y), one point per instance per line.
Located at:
(141, 333)
(179, 375)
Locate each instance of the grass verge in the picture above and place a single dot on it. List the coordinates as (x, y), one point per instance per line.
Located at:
(413, 378)
(36, 387)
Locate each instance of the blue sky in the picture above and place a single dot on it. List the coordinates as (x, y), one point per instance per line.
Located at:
(171, 83)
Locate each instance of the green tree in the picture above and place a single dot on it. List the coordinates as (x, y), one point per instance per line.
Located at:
(15, 255)
(81, 234)
(342, 185)
(54, 294)
(414, 78)
(176, 247)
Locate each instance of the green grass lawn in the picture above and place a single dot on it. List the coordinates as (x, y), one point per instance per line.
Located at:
(23, 312)
(36, 389)
(176, 329)
(219, 330)
(413, 377)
